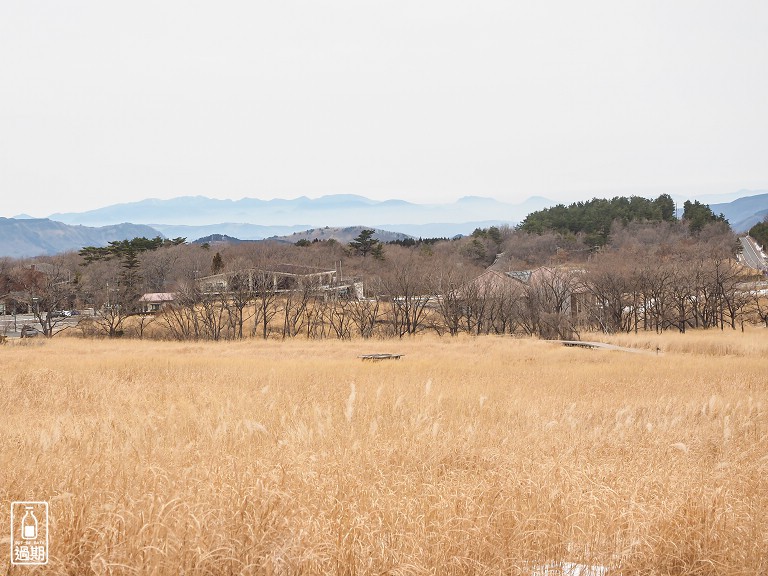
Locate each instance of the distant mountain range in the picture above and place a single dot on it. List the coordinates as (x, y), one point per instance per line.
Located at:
(253, 219)
(343, 235)
(20, 238)
(194, 217)
(745, 212)
(259, 232)
(303, 212)
(233, 229)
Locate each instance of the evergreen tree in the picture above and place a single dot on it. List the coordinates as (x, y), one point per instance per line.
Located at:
(666, 207)
(364, 243)
(378, 251)
(760, 232)
(494, 234)
(130, 281)
(698, 215)
(217, 265)
(594, 218)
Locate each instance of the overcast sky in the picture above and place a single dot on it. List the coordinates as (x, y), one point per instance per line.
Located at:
(104, 102)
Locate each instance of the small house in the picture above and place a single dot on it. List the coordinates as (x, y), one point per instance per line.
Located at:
(154, 301)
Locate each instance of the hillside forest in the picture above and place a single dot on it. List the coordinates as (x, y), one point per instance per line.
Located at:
(620, 265)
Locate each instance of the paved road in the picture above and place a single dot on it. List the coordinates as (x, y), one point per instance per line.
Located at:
(751, 256)
(11, 327)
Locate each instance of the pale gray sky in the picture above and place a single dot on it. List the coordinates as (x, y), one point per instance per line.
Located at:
(104, 102)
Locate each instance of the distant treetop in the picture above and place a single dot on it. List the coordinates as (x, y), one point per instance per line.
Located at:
(595, 217)
(126, 248)
(698, 215)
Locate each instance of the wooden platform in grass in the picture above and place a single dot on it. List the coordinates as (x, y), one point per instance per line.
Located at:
(604, 346)
(579, 344)
(376, 357)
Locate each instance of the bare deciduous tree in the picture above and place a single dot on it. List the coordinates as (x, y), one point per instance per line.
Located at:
(266, 301)
(295, 307)
(238, 301)
(46, 289)
(407, 286)
(182, 318)
(366, 312)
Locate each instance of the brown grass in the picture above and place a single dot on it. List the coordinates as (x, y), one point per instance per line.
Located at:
(468, 456)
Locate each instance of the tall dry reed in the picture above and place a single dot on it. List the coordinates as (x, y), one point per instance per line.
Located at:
(467, 456)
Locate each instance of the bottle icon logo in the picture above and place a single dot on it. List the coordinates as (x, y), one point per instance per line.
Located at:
(29, 524)
(29, 533)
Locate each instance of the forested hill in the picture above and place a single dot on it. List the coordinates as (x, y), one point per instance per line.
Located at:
(594, 218)
(22, 238)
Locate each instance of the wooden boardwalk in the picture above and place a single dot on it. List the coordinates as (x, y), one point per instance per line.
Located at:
(376, 357)
(604, 346)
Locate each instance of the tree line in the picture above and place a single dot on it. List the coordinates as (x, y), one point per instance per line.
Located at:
(651, 273)
(760, 232)
(594, 219)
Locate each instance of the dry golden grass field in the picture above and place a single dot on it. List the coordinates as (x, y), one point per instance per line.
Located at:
(467, 456)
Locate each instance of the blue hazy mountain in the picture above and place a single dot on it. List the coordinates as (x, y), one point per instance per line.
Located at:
(233, 229)
(333, 210)
(254, 219)
(26, 237)
(746, 211)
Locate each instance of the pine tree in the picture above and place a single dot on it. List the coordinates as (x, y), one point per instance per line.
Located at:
(364, 243)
